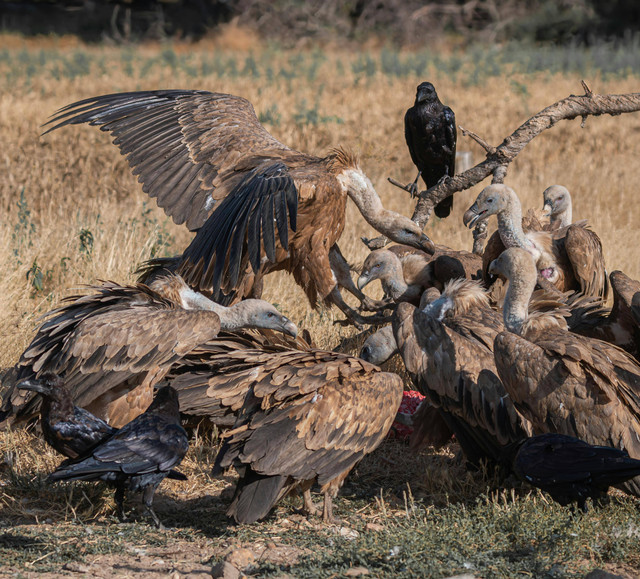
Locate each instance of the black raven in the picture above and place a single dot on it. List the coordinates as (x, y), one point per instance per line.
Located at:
(70, 430)
(571, 470)
(141, 453)
(430, 131)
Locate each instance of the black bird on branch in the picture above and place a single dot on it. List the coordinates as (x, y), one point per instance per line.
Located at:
(569, 469)
(430, 132)
(70, 430)
(142, 453)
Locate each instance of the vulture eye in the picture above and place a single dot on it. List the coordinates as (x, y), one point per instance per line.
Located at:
(490, 200)
(270, 315)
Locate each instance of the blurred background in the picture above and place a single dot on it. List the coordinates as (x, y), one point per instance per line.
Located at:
(402, 22)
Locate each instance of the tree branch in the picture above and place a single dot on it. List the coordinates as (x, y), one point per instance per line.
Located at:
(497, 161)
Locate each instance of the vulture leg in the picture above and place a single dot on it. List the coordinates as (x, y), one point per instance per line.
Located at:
(327, 510)
(309, 507)
(342, 271)
(119, 498)
(147, 498)
(353, 317)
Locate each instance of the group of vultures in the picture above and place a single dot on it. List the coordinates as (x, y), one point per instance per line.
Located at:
(515, 350)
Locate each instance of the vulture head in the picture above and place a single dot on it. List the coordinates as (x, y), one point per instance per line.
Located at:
(519, 267)
(50, 385)
(255, 313)
(493, 200)
(557, 204)
(380, 264)
(380, 346)
(426, 93)
(396, 227)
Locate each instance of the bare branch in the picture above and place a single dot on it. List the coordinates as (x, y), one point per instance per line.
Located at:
(402, 186)
(486, 146)
(497, 162)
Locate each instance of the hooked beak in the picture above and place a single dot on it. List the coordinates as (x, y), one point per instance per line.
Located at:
(472, 216)
(363, 280)
(427, 245)
(290, 328)
(33, 385)
(547, 210)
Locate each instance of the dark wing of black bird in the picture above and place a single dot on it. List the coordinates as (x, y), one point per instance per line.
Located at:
(233, 233)
(77, 434)
(570, 469)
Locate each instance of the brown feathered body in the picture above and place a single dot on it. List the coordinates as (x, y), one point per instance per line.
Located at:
(618, 325)
(447, 349)
(302, 416)
(110, 346)
(256, 205)
(563, 382)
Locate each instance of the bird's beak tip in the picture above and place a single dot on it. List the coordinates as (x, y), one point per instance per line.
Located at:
(291, 329)
(30, 385)
(363, 280)
(427, 244)
(469, 218)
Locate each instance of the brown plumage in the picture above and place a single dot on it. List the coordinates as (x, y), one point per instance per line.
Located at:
(447, 349)
(112, 346)
(616, 325)
(570, 258)
(302, 416)
(405, 272)
(210, 164)
(560, 381)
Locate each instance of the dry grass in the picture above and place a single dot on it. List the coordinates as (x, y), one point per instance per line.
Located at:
(73, 214)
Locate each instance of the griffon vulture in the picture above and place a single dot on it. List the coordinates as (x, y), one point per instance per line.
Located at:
(557, 206)
(563, 382)
(301, 414)
(430, 132)
(569, 258)
(210, 164)
(137, 457)
(112, 346)
(447, 350)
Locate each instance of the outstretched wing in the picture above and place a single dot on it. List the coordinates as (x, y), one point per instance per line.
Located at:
(189, 148)
(240, 227)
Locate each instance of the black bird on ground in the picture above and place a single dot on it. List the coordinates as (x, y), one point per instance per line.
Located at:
(569, 469)
(70, 430)
(140, 454)
(430, 132)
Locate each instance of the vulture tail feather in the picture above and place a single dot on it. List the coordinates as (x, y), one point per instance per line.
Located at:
(255, 496)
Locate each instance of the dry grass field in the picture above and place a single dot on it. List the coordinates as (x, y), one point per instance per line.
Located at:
(72, 214)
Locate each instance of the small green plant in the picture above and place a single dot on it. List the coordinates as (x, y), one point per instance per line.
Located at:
(24, 228)
(35, 276)
(86, 242)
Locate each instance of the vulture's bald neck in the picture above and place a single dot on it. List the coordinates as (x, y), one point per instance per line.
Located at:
(392, 278)
(510, 222)
(522, 282)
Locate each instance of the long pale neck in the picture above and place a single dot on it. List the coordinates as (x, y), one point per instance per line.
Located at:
(192, 300)
(516, 303)
(561, 219)
(232, 318)
(510, 226)
(393, 282)
(370, 206)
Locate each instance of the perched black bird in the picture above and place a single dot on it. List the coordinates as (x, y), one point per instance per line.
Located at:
(430, 131)
(70, 430)
(571, 470)
(141, 453)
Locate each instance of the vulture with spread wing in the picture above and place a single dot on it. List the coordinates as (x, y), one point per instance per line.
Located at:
(560, 381)
(256, 205)
(300, 414)
(112, 346)
(569, 258)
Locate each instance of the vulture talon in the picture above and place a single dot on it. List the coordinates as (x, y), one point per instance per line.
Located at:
(371, 305)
